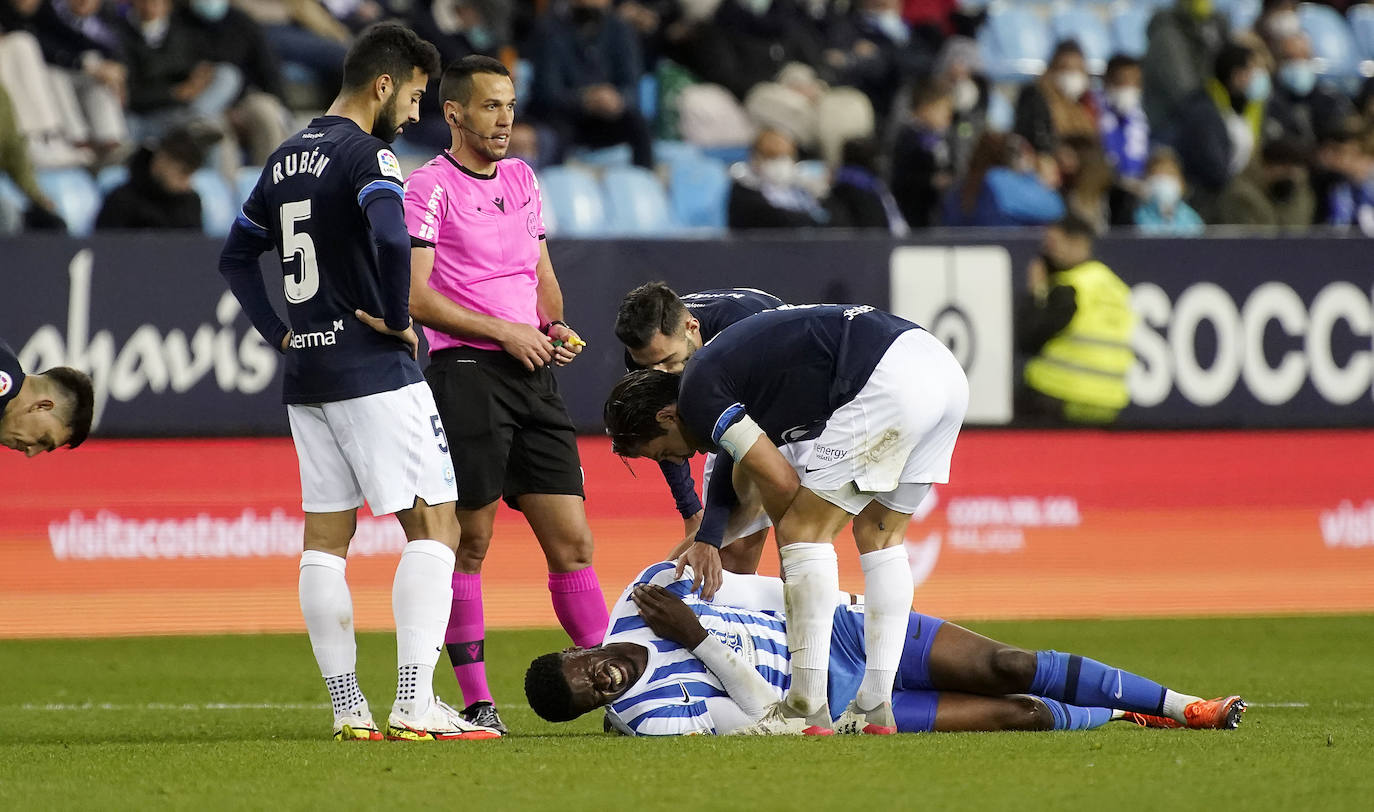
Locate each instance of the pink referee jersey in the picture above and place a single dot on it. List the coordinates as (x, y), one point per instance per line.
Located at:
(485, 232)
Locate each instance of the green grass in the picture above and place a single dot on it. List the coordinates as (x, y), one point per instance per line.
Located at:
(135, 755)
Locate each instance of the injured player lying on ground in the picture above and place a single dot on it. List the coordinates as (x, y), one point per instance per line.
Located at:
(675, 665)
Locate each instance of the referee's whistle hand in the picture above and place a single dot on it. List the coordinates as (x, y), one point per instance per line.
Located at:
(567, 344)
(527, 345)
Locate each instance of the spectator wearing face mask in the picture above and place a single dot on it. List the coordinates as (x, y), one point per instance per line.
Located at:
(1005, 186)
(1277, 20)
(1183, 45)
(1220, 125)
(1350, 198)
(768, 192)
(1277, 192)
(876, 52)
(1162, 210)
(1301, 108)
(1058, 104)
(158, 194)
(1122, 124)
(960, 67)
(921, 165)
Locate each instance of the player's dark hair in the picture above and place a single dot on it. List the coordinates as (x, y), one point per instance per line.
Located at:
(1119, 63)
(1074, 226)
(547, 689)
(456, 84)
(387, 49)
(75, 387)
(646, 310)
(631, 412)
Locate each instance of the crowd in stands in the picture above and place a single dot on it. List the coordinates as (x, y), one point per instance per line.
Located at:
(1164, 115)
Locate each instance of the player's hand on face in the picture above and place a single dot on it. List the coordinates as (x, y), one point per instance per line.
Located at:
(412, 341)
(567, 344)
(668, 616)
(527, 345)
(704, 560)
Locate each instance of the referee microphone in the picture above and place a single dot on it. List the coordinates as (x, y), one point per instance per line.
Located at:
(463, 126)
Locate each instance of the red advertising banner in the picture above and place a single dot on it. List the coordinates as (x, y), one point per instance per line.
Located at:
(201, 536)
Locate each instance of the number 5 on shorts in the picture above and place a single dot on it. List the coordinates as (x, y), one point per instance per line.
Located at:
(439, 432)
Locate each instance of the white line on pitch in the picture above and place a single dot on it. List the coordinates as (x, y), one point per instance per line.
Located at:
(173, 706)
(1283, 704)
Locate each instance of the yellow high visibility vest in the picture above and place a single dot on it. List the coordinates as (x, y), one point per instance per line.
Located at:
(1085, 364)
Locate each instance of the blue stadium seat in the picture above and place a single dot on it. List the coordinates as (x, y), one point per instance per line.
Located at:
(1014, 42)
(244, 181)
(217, 206)
(110, 178)
(1333, 43)
(572, 202)
(523, 78)
(1241, 13)
(1362, 27)
(615, 155)
(1130, 30)
(699, 190)
(1081, 24)
(670, 152)
(648, 97)
(74, 193)
(636, 203)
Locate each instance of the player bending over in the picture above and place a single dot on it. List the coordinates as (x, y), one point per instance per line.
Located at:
(675, 665)
(363, 420)
(45, 411)
(661, 330)
(883, 401)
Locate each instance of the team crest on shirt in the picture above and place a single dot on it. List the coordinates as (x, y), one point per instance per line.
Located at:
(532, 225)
(6, 383)
(448, 474)
(387, 163)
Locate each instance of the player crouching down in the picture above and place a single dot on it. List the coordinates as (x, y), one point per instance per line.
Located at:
(675, 665)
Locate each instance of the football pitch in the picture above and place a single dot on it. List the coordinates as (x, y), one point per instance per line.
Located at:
(242, 722)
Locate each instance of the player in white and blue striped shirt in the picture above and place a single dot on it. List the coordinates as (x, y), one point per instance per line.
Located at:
(674, 665)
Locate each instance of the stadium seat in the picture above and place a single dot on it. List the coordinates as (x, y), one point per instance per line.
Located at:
(1081, 24)
(699, 190)
(1014, 42)
(572, 198)
(523, 79)
(1333, 42)
(670, 152)
(1130, 30)
(217, 206)
(1362, 28)
(244, 181)
(615, 155)
(636, 203)
(1241, 13)
(110, 178)
(74, 193)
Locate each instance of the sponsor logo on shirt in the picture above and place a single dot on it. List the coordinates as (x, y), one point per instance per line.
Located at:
(6, 382)
(308, 341)
(387, 163)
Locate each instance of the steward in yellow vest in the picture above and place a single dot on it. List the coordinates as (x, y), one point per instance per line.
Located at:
(1077, 328)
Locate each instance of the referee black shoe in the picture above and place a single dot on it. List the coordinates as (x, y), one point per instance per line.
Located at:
(484, 713)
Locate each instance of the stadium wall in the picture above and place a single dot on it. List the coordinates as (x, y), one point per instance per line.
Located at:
(195, 536)
(1235, 332)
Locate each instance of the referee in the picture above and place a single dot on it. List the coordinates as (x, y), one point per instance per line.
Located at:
(484, 288)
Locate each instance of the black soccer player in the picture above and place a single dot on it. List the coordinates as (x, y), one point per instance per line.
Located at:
(881, 399)
(661, 330)
(45, 411)
(363, 421)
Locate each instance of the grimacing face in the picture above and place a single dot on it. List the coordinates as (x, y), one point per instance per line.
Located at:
(669, 353)
(36, 429)
(598, 676)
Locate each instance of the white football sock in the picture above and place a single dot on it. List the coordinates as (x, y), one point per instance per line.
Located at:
(328, 611)
(421, 596)
(1175, 702)
(812, 579)
(888, 591)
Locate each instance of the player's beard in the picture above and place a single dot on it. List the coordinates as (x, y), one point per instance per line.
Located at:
(385, 125)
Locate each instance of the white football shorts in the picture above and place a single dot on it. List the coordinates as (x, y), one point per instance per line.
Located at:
(749, 517)
(387, 448)
(896, 436)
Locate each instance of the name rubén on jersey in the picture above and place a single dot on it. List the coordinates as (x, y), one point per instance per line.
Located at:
(305, 162)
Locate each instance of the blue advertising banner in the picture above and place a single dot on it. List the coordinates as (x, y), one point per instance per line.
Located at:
(1234, 332)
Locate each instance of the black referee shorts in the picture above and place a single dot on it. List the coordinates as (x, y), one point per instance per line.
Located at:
(509, 433)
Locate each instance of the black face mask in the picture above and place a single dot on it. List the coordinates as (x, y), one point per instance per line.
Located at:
(584, 15)
(1283, 189)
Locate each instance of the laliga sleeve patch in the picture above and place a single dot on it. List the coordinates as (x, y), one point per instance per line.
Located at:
(387, 163)
(6, 383)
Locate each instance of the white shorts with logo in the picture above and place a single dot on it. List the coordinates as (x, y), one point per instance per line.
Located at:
(896, 436)
(387, 448)
(750, 517)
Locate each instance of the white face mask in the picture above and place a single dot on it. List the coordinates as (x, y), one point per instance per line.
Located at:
(892, 25)
(781, 171)
(1164, 190)
(1283, 24)
(1124, 99)
(154, 31)
(965, 95)
(1072, 83)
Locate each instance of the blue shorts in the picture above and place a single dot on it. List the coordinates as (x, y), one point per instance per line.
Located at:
(913, 697)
